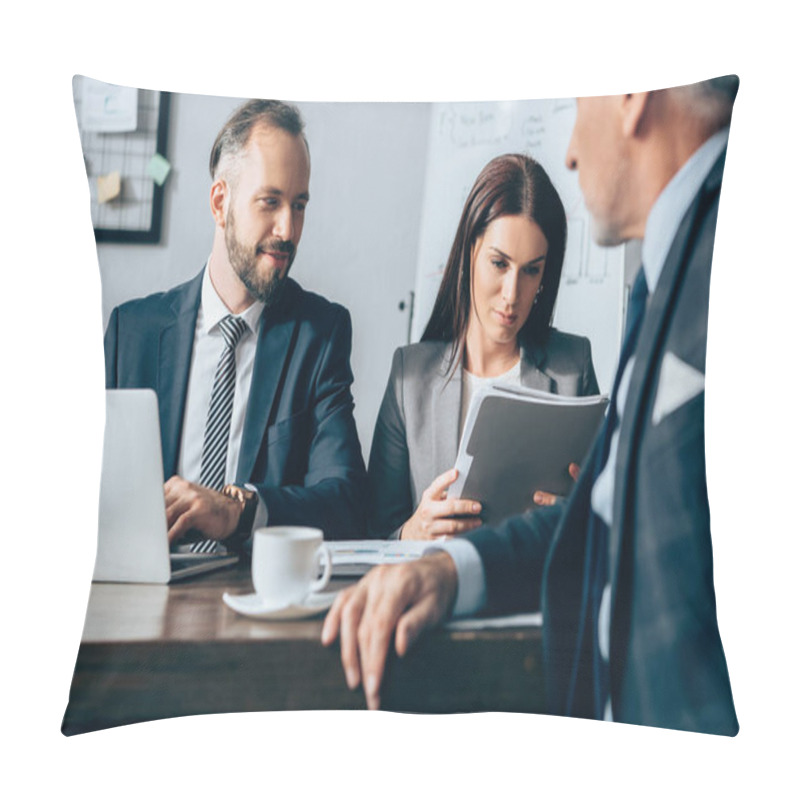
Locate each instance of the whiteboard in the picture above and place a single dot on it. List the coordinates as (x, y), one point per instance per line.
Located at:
(463, 138)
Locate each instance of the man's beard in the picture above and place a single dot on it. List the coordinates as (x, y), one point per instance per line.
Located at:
(244, 260)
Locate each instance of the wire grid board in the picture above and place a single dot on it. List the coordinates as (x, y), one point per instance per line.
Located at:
(136, 214)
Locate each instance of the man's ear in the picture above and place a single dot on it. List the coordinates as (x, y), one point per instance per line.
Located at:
(219, 201)
(634, 107)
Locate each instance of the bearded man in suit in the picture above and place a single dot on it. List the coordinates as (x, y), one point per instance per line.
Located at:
(251, 371)
(622, 571)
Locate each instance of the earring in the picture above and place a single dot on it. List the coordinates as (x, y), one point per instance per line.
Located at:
(538, 292)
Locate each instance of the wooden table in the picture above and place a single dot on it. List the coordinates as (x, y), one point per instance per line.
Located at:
(152, 652)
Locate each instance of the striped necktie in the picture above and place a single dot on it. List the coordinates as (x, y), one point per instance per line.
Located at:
(220, 410)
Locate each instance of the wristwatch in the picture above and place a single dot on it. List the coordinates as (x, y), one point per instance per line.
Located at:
(248, 502)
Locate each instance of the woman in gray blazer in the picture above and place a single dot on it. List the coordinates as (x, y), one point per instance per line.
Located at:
(491, 321)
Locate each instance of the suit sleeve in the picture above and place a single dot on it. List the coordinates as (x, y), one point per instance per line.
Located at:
(513, 556)
(390, 501)
(332, 496)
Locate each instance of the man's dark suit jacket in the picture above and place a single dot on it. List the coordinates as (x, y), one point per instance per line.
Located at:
(667, 666)
(299, 445)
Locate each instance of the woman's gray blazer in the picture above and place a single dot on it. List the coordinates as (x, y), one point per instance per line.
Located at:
(416, 434)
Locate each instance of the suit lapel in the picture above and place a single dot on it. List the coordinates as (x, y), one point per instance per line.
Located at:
(532, 376)
(175, 345)
(647, 362)
(278, 325)
(446, 413)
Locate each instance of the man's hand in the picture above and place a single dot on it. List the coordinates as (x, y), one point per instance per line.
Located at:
(398, 601)
(547, 499)
(194, 507)
(437, 515)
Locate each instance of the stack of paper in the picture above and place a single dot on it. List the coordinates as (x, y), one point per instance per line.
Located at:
(519, 440)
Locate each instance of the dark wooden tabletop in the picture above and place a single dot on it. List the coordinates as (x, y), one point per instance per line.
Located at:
(152, 652)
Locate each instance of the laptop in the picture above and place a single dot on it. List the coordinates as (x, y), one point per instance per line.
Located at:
(132, 544)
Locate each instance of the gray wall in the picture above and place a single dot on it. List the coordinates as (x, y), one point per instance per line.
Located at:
(360, 239)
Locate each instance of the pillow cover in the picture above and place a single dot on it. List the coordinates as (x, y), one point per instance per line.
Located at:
(622, 574)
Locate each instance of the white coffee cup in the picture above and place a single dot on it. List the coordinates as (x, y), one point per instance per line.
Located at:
(286, 563)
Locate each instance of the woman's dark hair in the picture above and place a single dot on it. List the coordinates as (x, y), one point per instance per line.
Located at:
(508, 185)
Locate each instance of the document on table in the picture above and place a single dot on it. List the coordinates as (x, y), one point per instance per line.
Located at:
(533, 620)
(352, 558)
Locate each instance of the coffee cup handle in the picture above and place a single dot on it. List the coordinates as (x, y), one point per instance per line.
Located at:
(322, 582)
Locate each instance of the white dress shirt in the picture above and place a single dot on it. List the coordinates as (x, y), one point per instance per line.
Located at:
(662, 225)
(208, 346)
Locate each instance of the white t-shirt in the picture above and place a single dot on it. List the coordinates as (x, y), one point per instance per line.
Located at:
(471, 383)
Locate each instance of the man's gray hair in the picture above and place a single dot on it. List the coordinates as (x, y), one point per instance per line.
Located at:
(236, 132)
(711, 101)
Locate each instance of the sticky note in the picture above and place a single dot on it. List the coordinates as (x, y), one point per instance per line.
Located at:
(108, 187)
(158, 169)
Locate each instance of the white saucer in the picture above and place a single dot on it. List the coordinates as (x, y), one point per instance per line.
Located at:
(251, 606)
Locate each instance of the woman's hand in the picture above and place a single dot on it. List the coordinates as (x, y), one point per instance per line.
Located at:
(437, 515)
(547, 499)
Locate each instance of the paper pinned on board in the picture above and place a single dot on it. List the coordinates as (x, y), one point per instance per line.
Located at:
(107, 108)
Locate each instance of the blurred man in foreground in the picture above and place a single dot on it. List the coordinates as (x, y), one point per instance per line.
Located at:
(623, 570)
